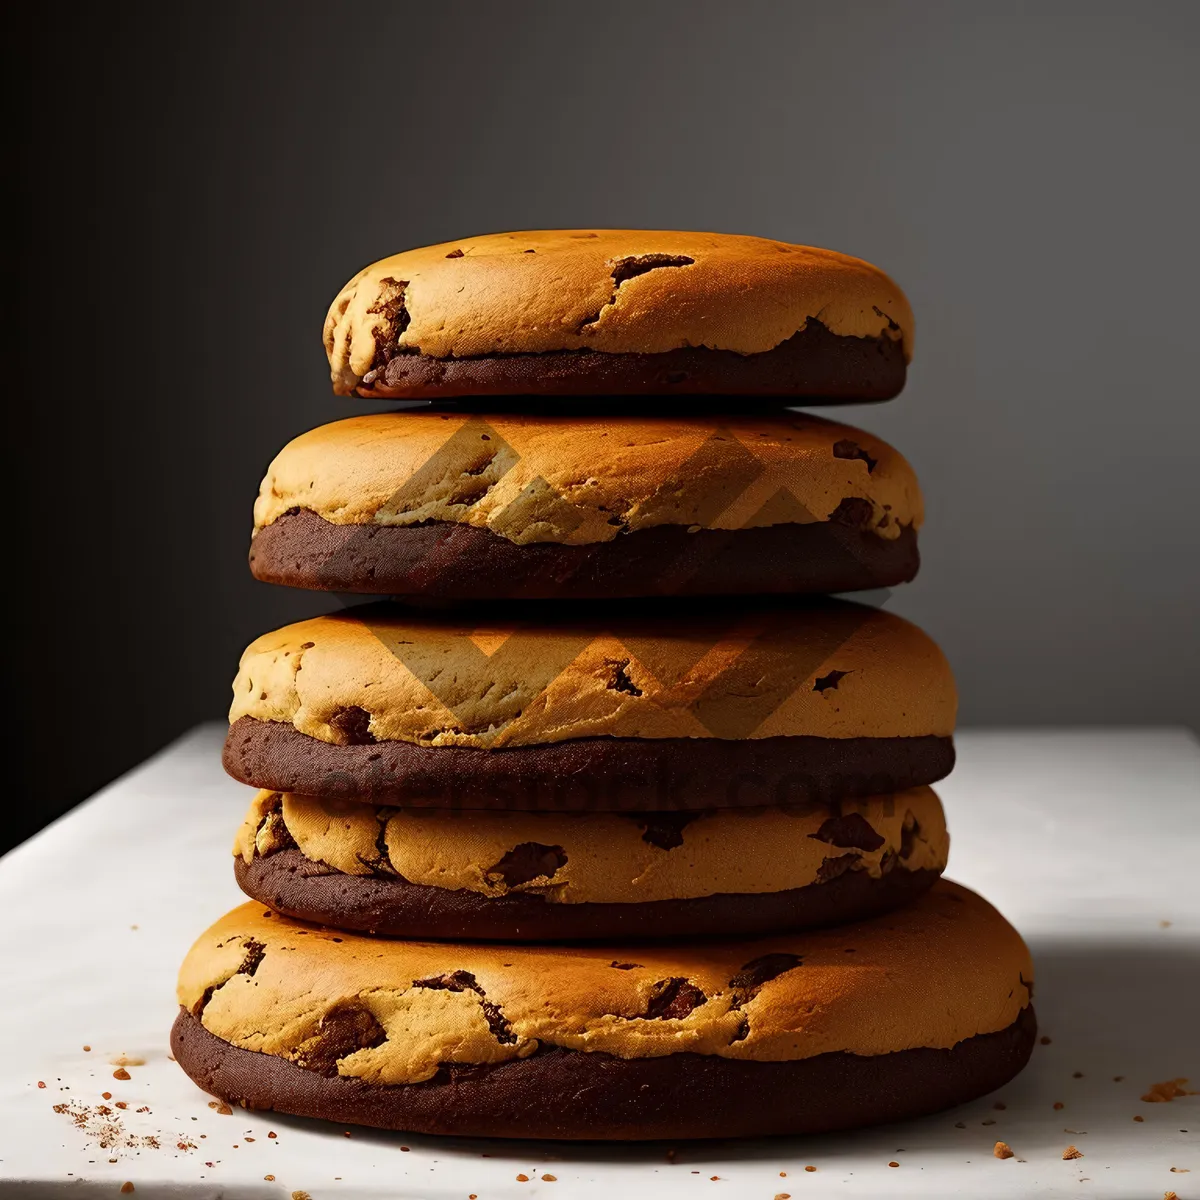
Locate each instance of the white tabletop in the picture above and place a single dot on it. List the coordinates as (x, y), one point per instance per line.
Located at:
(1086, 840)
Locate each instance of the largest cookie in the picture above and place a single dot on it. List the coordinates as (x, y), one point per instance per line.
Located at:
(879, 1021)
(594, 707)
(451, 507)
(614, 312)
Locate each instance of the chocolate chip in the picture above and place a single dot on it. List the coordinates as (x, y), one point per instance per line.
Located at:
(465, 981)
(344, 1029)
(529, 860)
(831, 868)
(673, 999)
(620, 681)
(353, 726)
(664, 829)
(758, 971)
(853, 512)
(826, 682)
(849, 449)
(850, 831)
(254, 955)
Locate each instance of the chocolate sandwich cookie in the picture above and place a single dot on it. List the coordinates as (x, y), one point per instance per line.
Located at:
(595, 708)
(616, 312)
(799, 1033)
(425, 873)
(457, 507)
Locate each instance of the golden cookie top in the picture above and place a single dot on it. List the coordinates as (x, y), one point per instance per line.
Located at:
(828, 668)
(945, 968)
(605, 858)
(590, 479)
(609, 290)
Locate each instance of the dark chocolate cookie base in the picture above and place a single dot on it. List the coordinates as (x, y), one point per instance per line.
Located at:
(297, 887)
(573, 1094)
(447, 561)
(602, 774)
(814, 364)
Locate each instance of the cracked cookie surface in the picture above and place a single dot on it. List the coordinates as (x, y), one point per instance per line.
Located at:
(619, 311)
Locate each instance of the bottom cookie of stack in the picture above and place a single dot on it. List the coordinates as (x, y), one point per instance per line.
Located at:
(877, 1021)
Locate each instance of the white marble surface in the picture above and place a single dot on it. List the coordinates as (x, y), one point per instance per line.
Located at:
(1087, 840)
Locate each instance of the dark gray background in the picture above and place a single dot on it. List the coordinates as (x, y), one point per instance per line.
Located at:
(202, 178)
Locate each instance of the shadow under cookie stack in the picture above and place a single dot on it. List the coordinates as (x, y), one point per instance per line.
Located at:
(609, 824)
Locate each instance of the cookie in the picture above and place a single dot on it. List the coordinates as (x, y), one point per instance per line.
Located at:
(617, 312)
(594, 708)
(425, 873)
(521, 506)
(797, 1033)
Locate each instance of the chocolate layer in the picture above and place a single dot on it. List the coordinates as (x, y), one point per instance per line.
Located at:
(814, 364)
(560, 1094)
(586, 774)
(386, 904)
(448, 561)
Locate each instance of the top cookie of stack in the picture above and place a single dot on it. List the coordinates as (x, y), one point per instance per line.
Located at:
(614, 312)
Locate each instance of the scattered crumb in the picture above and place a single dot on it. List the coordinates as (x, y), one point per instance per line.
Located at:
(1118, 1079)
(301, 1196)
(893, 1164)
(106, 1095)
(999, 1106)
(1002, 1150)
(221, 1108)
(1058, 1106)
(549, 1178)
(126, 1188)
(41, 1083)
(1071, 1152)
(1077, 1075)
(269, 1178)
(810, 1168)
(1170, 1196)
(783, 1196)
(1181, 1170)
(1044, 1040)
(989, 1121)
(1164, 924)
(87, 1049)
(272, 1134)
(127, 1060)
(714, 1178)
(1139, 1117)
(522, 1178)
(960, 1124)
(122, 1074)
(1161, 1093)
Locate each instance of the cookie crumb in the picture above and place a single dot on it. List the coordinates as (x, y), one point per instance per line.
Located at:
(1077, 1075)
(783, 1196)
(549, 1178)
(1170, 1089)
(989, 1121)
(893, 1164)
(522, 1178)
(122, 1074)
(41, 1083)
(269, 1178)
(127, 1187)
(221, 1108)
(1044, 1040)
(1139, 1117)
(960, 1124)
(87, 1049)
(1118, 1079)
(1000, 1106)
(301, 1196)
(1181, 1170)
(1070, 1152)
(1058, 1106)
(272, 1134)
(1002, 1150)
(810, 1168)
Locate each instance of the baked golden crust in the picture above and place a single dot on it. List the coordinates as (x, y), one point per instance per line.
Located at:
(604, 858)
(943, 969)
(590, 479)
(829, 669)
(613, 291)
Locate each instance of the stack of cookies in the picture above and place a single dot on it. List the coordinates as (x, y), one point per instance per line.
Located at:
(608, 824)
